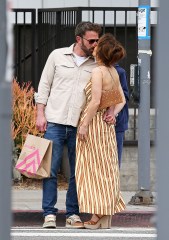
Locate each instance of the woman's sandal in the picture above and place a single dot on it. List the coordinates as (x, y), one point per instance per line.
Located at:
(103, 222)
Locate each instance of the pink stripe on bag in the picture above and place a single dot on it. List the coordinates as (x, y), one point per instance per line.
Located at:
(29, 165)
(24, 162)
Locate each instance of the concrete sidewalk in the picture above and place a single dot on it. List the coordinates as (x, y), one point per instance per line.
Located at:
(26, 208)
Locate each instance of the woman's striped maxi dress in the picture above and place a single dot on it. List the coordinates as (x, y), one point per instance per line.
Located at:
(97, 170)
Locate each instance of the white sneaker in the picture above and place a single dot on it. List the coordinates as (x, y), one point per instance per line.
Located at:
(74, 221)
(50, 221)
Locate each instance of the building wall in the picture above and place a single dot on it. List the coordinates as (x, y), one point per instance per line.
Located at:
(77, 3)
(87, 15)
(129, 169)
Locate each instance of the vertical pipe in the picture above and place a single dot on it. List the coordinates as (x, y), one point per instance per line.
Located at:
(144, 106)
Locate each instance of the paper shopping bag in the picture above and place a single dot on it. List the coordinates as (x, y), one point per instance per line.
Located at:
(35, 158)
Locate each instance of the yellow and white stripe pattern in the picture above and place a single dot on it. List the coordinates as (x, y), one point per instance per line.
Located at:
(97, 171)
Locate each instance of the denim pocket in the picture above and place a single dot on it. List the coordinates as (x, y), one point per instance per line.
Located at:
(50, 124)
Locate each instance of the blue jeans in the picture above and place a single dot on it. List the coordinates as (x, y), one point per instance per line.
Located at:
(119, 138)
(60, 134)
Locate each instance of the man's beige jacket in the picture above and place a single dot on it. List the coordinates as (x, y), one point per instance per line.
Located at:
(61, 87)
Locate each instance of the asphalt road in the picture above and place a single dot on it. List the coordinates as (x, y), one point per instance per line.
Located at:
(21, 233)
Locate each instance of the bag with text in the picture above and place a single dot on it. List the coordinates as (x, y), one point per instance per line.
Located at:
(35, 158)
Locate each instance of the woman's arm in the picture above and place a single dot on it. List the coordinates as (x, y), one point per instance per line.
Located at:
(94, 103)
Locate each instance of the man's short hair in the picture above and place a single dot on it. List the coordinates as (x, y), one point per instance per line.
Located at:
(83, 27)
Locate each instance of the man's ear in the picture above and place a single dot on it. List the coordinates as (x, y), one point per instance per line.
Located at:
(78, 39)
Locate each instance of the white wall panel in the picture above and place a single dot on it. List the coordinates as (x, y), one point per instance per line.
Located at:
(114, 3)
(77, 3)
(87, 16)
(27, 4)
(65, 3)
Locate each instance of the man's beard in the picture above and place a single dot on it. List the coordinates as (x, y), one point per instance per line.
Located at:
(88, 52)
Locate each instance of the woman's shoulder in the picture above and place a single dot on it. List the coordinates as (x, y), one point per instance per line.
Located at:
(99, 69)
(115, 72)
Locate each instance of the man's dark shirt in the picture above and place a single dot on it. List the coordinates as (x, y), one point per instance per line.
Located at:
(122, 119)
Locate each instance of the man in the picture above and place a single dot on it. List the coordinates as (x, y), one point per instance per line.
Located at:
(60, 100)
(123, 116)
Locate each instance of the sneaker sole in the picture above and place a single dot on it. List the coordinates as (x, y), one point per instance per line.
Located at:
(49, 225)
(71, 226)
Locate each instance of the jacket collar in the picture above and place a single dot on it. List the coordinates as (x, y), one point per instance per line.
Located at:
(69, 50)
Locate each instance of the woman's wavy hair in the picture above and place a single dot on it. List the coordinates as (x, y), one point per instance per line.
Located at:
(109, 50)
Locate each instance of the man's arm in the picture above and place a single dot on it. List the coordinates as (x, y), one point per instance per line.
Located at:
(46, 80)
(44, 92)
(123, 81)
(122, 119)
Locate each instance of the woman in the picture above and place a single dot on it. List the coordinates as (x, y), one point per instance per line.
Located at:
(97, 171)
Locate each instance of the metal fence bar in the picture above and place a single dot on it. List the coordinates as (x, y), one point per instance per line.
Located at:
(104, 29)
(25, 49)
(34, 72)
(115, 23)
(16, 44)
(93, 16)
(24, 45)
(40, 41)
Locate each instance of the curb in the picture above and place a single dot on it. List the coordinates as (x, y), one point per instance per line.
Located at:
(124, 219)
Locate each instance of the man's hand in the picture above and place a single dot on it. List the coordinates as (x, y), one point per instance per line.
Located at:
(41, 122)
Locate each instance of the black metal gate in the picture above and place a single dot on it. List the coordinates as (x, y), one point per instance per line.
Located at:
(25, 47)
(56, 29)
(34, 41)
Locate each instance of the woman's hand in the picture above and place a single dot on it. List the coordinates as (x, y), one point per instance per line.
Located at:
(83, 132)
(109, 116)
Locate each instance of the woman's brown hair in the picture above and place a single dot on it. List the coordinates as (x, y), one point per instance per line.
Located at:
(109, 50)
